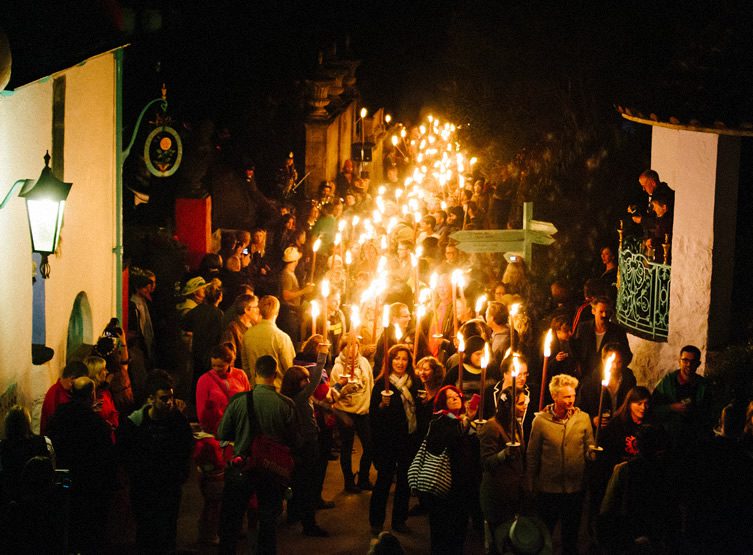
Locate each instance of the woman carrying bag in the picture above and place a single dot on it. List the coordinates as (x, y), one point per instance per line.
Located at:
(449, 433)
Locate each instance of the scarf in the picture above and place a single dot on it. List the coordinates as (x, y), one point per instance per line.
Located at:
(409, 405)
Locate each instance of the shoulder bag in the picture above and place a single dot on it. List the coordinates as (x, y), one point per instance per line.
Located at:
(429, 473)
(269, 458)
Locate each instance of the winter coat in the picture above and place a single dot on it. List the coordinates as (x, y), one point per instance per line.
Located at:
(557, 450)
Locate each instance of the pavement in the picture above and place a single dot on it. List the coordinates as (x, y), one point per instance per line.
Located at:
(347, 523)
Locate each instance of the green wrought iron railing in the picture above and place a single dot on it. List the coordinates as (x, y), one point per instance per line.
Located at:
(643, 295)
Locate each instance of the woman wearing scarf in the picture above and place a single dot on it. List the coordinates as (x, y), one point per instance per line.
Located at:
(394, 433)
(449, 429)
(503, 480)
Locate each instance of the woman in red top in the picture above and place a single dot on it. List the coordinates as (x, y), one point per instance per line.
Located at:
(214, 390)
(217, 386)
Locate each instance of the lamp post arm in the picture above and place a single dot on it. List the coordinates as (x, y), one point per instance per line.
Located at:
(21, 183)
(127, 150)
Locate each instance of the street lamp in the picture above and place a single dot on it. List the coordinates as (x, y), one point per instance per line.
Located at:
(45, 204)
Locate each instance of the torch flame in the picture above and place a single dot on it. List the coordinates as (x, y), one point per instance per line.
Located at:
(398, 332)
(461, 343)
(486, 356)
(608, 370)
(355, 317)
(515, 365)
(325, 288)
(317, 244)
(314, 310)
(548, 344)
(514, 308)
(480, 303)
(386, 316)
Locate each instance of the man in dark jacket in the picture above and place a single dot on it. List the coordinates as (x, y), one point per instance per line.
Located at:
(591, 337)
(83, 444)
(156, 442)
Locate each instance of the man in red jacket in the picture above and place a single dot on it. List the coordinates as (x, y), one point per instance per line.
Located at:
(60, 392)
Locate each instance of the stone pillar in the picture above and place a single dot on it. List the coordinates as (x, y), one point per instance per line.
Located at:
(703, 170)
(322, 151)
(193, 226)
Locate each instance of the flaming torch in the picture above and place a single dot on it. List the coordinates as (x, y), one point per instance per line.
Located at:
(547, 354)
(315, 248)
(480, 420)
(604, 384)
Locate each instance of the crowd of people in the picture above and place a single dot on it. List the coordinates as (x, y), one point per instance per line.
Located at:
(360, 317)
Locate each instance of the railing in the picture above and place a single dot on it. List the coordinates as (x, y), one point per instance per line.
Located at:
(643, 295)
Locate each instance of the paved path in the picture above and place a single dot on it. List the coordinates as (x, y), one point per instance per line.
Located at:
(347, 523)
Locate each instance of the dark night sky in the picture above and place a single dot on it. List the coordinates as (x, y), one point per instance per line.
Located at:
(219, 58)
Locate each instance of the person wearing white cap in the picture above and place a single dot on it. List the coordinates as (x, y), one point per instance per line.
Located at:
(292, 294)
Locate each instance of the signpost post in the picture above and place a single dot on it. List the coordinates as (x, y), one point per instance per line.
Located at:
(509, 241)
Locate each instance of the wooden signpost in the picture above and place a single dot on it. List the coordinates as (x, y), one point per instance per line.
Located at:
(517, 242)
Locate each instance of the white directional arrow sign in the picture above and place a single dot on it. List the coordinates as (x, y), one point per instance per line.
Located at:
(511, 241)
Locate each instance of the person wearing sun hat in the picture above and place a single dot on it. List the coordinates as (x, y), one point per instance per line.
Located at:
(193, 295)
(524, 535)
(291, 294)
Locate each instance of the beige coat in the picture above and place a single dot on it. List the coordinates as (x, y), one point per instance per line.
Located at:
(557, 452)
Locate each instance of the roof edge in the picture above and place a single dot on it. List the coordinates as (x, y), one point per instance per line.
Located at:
(81, 63)
(687, 127)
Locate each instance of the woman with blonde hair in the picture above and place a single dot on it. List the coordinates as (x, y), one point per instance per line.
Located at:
(353, 382)
(105, 405)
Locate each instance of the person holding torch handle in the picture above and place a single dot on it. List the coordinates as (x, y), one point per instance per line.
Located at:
(353, 383)
(392, 415)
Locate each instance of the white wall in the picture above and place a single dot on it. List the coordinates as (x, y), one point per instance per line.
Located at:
(689, 162)
(84, 261)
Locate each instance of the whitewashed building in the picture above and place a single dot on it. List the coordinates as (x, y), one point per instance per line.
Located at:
(75, 115)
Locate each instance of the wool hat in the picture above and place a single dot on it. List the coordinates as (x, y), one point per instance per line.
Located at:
(473, 344)
(291, 254)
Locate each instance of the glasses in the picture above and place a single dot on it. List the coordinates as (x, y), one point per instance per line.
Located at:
(690, 361)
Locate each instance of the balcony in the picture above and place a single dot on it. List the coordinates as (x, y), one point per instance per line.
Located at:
(643, 293)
